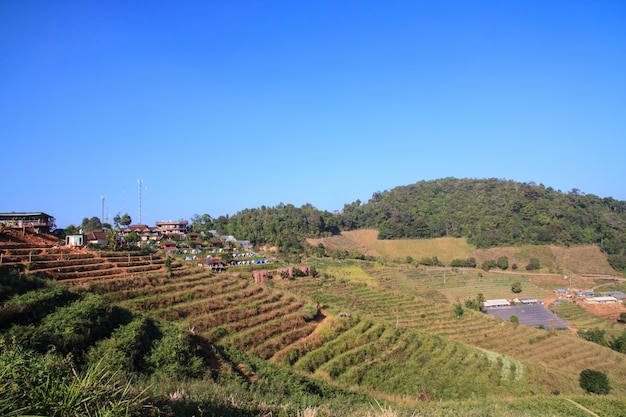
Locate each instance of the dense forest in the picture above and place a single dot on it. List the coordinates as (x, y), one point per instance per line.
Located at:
(488, 212)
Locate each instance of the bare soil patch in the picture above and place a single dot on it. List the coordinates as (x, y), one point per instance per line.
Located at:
(606, 311)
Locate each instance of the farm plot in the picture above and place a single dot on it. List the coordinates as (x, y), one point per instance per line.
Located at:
(530, 315)
(557, 355)
(225, 309)
(582, 319)
(371, 355)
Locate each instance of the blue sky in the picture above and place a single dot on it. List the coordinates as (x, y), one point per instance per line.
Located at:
(220, 106)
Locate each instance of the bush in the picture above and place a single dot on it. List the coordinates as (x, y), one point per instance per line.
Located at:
(38, 384)
(516, 287)
(594, 382)
(309, 312)
(503, 263)
(533, 265)
(617, 262)
(489, 264)
(594, 335)
(458, 310)
(463, 263)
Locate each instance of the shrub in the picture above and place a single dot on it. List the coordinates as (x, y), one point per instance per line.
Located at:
(618, 344)
(488, 264)
(514, 319)
(503, 262)
(594, 382)
(533, 265)
(516, 287)
(617, 262)
(434, 261)
(463, 263)
(38, 384)
(594, 335)
(458, 310)
(309, 312)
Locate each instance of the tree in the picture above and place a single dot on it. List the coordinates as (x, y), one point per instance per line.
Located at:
(132, 238)
(516, 287)
(595, 382)
(91, 225)
(514, 319)
(112, 237)
(618, 344)
(503, 263)
(125, 220)
(533, 265)
(116, 220)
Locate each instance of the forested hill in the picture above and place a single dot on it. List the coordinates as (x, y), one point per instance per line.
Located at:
(488, 212)
(492, 212)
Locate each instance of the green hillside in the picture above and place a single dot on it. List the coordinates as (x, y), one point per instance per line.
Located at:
(486, 212)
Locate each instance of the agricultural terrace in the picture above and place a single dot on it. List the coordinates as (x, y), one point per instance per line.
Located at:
(224, 308)
(416, 300)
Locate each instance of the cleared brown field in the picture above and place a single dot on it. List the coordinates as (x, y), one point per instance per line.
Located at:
(366, 241)
(581, 259)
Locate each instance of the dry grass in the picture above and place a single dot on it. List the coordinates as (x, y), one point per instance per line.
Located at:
(445, 248)
(581, 259)
(352, 273)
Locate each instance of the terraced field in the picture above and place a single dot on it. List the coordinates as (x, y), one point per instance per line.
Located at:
(385, 328)
(582, 320)
(416, 303)
(223, 308)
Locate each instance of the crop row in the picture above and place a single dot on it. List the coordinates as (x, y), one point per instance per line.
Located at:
(199, 307)
(160, 300)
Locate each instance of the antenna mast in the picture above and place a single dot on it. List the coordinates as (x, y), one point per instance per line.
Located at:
(102, 197)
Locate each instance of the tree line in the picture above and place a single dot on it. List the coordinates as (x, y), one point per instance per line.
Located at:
(488, 212)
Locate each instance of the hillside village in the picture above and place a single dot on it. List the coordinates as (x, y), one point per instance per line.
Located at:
(213, 252)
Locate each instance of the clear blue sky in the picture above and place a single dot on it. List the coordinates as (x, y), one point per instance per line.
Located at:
(219, 106)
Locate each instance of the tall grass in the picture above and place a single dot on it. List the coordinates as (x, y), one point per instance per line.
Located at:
(36, 384)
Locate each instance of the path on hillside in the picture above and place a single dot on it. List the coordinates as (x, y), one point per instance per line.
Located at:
(582, 408)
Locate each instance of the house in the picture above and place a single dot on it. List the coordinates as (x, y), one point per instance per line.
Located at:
(245, 244)
(526, 300)
(260, 276)
(601, 300)
(172, 228)
(40, 221)
(586, 293)
(75, 240)
(496, 303)
(97, 238)
(169, 246)
(144, 232)
(214, 264)
(617, 294)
